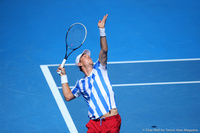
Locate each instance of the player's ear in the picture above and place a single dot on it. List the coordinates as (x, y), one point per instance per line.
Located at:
(79, 64)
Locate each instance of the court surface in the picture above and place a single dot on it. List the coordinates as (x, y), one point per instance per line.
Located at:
(153, 64)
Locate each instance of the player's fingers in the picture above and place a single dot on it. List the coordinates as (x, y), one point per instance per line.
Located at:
(58, 69)
(62, 69)
(105, 17)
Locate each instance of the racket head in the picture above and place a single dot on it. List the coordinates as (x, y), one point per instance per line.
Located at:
(75, 36)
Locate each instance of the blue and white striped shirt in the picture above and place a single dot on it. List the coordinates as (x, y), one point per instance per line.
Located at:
(97, 91)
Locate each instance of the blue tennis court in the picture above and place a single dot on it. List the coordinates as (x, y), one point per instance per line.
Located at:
(153, 64)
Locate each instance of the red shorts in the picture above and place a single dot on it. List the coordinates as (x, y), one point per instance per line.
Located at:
(105, 125)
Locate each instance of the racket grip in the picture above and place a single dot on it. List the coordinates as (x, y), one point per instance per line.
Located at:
(62, 65)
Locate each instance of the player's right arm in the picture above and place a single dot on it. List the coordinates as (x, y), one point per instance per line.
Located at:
(103, 42)
(65, 87)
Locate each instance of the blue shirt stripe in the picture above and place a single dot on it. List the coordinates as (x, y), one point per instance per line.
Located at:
(96, 105)
(104, 84)
(101, 96)
(85, 94)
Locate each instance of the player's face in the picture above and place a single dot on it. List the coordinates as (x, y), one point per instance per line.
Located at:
(86, 59)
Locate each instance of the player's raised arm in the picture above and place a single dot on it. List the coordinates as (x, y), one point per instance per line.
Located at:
(103, 41)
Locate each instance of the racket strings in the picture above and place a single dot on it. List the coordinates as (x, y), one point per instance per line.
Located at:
(75, 36)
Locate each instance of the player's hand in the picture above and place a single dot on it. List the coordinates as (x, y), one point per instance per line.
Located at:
(62, 70)
(101, 23)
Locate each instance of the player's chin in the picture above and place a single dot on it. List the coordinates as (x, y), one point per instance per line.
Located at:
(91, 63)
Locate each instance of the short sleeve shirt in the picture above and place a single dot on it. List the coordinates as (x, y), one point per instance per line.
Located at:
(97, 91)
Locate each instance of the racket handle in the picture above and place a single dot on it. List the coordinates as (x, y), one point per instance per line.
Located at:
(62, 65)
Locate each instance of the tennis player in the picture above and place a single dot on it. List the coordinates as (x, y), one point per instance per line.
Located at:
(96, 88)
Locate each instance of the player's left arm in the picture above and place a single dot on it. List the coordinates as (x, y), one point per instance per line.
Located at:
(103, 42)
(68, 95)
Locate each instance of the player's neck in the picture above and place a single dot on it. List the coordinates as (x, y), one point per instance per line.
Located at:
(87, 71)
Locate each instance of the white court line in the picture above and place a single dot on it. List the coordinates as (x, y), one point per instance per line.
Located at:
(158, 83)
(140, 61)
(63, 109)
(150, 61)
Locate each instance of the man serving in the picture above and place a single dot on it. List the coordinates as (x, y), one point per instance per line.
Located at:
(96, 88)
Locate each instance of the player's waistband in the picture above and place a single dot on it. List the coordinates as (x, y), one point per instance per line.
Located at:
(107, 118)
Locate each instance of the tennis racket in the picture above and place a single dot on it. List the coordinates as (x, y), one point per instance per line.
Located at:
(74, 39)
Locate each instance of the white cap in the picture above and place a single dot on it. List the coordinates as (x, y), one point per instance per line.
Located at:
(86, 51)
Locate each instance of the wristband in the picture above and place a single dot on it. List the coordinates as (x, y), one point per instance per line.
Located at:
(64, 79)
(102, 32)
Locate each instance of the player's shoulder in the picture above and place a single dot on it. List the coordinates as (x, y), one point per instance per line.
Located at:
(99, 65)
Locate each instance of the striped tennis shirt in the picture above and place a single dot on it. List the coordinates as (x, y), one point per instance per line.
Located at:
(97, 91)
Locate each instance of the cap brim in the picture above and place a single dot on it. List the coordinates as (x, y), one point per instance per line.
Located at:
(86, 51)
